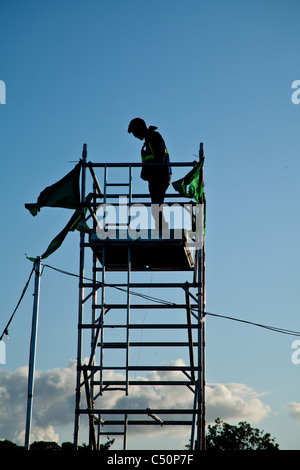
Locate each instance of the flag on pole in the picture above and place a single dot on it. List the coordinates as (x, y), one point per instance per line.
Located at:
(65, 193)
(72, 225)
(191, 185)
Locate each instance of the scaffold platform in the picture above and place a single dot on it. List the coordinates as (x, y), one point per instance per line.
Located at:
(169, 250)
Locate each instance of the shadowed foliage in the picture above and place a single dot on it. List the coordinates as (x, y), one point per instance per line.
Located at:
(224, 436)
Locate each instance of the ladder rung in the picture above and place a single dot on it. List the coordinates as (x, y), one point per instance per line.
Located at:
(140, 368)
(135, 411)
(144, 344)
(107, 383)
(117, 184)
(143, 326)
(115, 388)
(148, 423)
(154, 326)
(145, 306)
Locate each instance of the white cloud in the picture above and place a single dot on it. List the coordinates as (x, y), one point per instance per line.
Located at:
(234, 401)
(54, 402)
(37, 433)
(294, 409)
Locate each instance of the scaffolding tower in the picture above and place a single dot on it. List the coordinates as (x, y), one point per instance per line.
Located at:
(141, 311)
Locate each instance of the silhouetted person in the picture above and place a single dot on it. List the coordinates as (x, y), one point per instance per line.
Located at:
(158, 176)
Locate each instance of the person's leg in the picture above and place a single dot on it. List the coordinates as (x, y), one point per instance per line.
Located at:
(157, 192)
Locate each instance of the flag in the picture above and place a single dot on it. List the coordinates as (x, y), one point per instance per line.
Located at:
(191, 185)
(72, 225)
(65, 193)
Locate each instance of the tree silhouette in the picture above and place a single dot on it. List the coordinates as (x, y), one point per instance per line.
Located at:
(8, 445)
(224, 436)
(44, 445)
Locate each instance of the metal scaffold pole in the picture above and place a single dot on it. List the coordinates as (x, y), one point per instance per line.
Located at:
(200, 441)
(201, 294)
(80, 302)
(32, 354)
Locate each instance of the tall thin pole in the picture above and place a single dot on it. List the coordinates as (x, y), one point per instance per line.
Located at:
(32, 354)
(80, 300)
(201, 294)
(200, 443)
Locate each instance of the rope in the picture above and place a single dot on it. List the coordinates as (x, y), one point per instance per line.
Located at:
(5, 331)
(153, 299)
(165, 302)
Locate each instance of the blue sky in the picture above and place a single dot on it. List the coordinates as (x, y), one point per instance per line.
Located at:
(214, 72)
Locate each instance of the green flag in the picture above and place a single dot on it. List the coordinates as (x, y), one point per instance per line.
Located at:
(191, 185)
(65, 193)
(72, 225)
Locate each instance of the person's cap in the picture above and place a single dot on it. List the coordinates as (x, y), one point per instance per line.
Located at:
(136, 123)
